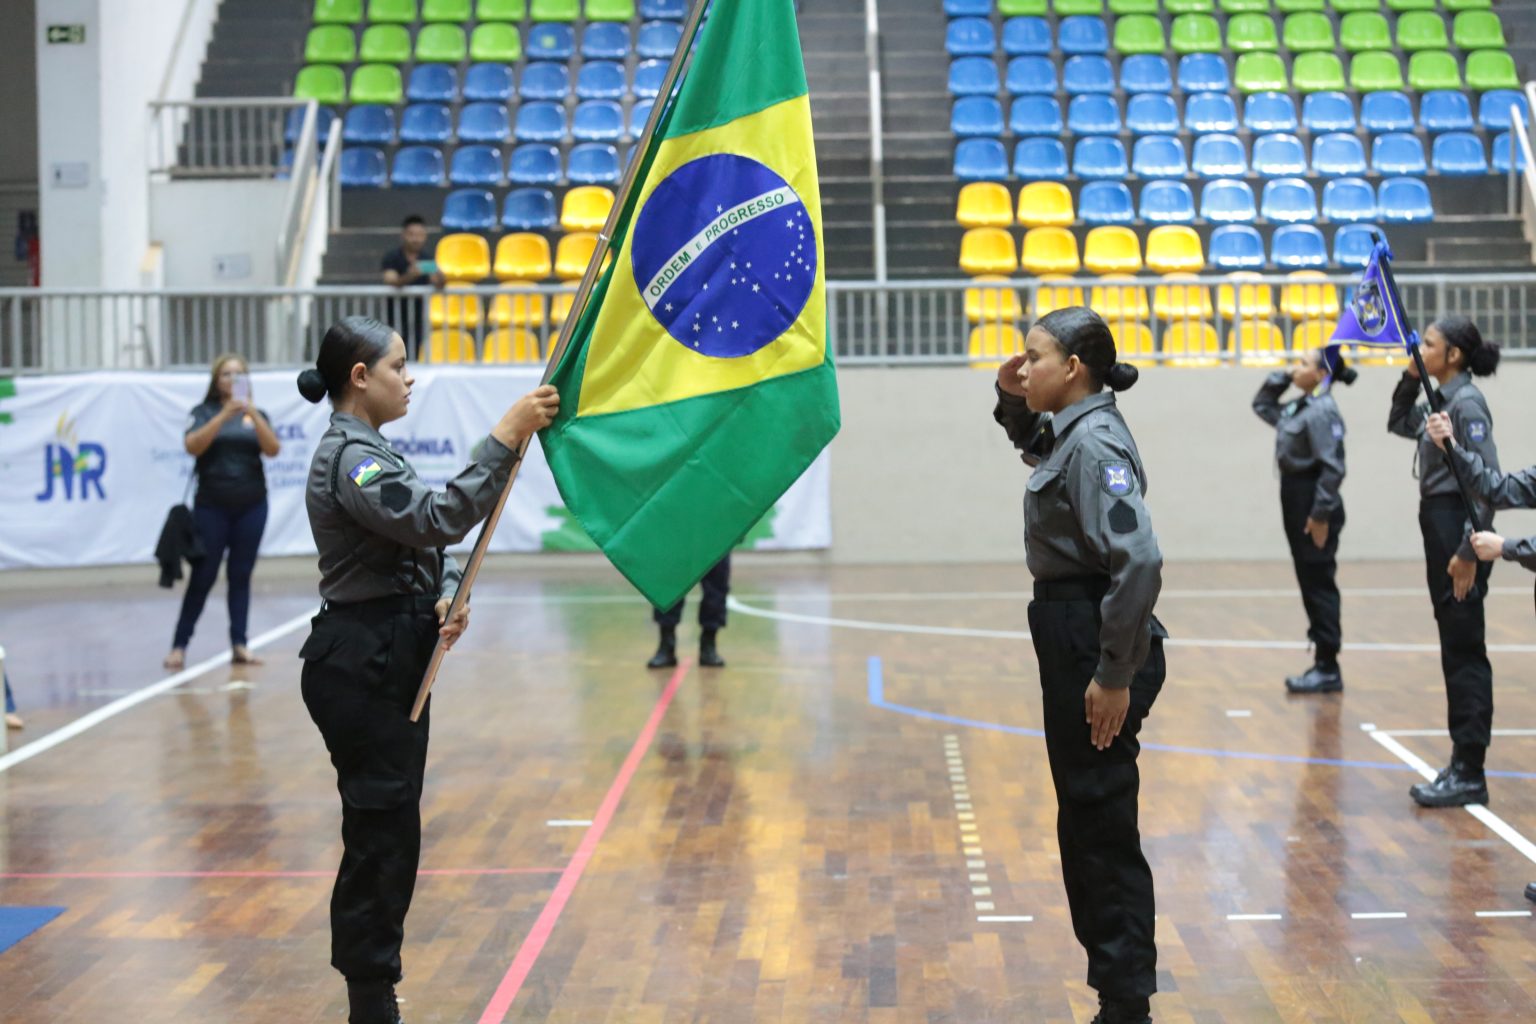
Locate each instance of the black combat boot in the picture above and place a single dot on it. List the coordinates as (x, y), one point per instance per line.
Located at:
(709, 657)
(1530, 891)
(1135, 1010)
(666, 650)
(1322, 677)
(1455, 786)
(372, 1002)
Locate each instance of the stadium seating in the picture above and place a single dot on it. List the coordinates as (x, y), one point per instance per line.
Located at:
(1219, 156)
(1349, 200)
(1044, 204)
(989, 251)
(1298, 247)
(1236, 247)
(1167, 202)
(983, 204)
(1106, 202)
(1338, 154)
(1050, 251)
(1159, 156)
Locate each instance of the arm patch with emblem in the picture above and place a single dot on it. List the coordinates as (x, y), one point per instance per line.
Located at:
(1116, 478)
(365, 471)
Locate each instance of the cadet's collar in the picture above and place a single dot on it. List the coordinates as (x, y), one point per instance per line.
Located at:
(1062, 421)
(1455, 384)
(356, 427)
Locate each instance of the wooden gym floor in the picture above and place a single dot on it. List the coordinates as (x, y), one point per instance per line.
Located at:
(852, 822)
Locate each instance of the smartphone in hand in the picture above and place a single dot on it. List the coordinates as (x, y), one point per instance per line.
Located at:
(240, 390)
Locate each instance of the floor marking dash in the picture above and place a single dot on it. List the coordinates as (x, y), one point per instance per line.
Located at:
(1503, 913)
(568, 822)
(1004, 919)
(1254, 917)
(1380, 915)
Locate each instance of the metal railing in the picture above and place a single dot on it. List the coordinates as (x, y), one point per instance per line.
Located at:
(238, 138)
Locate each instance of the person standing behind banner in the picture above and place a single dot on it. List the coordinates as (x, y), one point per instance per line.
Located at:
(1309, 451)
(228, 435)
(717, 588)
(387, 585)
(1098, 571)
(1454, 352)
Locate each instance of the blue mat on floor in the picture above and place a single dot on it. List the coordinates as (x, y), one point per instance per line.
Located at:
(16, 923)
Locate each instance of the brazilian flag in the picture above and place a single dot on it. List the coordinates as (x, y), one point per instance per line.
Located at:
(698, 383)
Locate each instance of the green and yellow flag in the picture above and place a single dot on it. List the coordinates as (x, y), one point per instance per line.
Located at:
(698, 383)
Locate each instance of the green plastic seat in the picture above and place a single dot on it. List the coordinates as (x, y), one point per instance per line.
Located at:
(1300, 6)
(1411, 5)
(1016, 8)
(1065, 7)
(555, 10)
(1478, 30)
(1318, 72)
(330, 44)
(441, 44)
(1468, 5)
(377, 83)
(1375, 71)
(385, 44)
(1245, 6)
(1491, 69)
(453, 11)
(495, 42)
(1189, 6)
(1309, 31)
(1349, 6)
(323, 83)
(338, 12)
(505, 10)
(610, 10)
(1429, 70)
(1139, 33)
(1248, 32)
(1195, 33)
(1421, 30)
(393, 12)
(1363, 30)
(1260, 71)
(1134, 6)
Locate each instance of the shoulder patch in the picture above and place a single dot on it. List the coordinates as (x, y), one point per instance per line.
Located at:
(395, 496)
(1116, 479)
(1338, 430)
(1477, 430)
(365, 471)
(1122, 518)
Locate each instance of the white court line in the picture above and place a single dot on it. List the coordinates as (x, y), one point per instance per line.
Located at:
(967, 595)
(568, 823)
(1004, 919)
(1239, 714)
(1253, 917)
(1441, 733)
(1503, 913)
(1383, 915)
(90, 721)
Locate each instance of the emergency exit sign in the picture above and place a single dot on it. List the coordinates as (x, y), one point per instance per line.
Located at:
(66, 34)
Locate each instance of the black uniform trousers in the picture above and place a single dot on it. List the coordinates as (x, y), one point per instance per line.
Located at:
(717, 587)
(363, 664)
(1108, 882)
(1463, 652)
(1317, 568)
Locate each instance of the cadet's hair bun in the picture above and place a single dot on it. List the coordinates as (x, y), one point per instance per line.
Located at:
(1484, 361)
(1122, 377)
(311, 385)
(1347, 375)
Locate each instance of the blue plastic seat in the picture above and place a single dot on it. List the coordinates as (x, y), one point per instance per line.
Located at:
(1388, 111)
(981, 160)
(968, 76)
(1460, 154)
(967, 8)
(540, 122)
(1353, 244)
(664, 10)
(1228, 201)
(535, 164)
(363, 167)
(367, 125)
(651, 75)
(1338, 153)
(1167, 202)
(1040, 160)
(420, 166)
(1100, 156)
(1289, 201)
(529, 209)
(426, 122)
(593, 163)
(1026, 35)
(433, 83)
(1027, 76)
(1204, 72)
(1220, 156)
(1035, 115)
(1398, 153)
(1349, 200)
(1207, 112)
(1106, 202)
(484, 122)
(1503, 146)
(1493, 109)
(638, 115)
(976, 116)
(1270, 112)
(598, 121)
(1146, 72)
(1405, 200)
(1087, 74)
(1093, 114)
(659, 39)
(550, 41)
(600, 79)
(1151, 113)
(475, 165)
(1327, 112)
(1445, 111)
(965, 37)
(488, 83)
(1082, 33)
(1159, 156)
(605, 40)
(294, 125)
(1278, 155)
(1298, 247)
(1236, 247)
(545, 81)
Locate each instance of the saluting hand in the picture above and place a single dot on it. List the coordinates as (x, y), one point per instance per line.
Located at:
(1008, 376)
(1463, 574)
(1488, 545)
(1105, 713)
(451, 631)
(1439, 429)
(1317, 529)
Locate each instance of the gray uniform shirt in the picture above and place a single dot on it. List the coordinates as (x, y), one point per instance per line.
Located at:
(1517, 490)
(1084, 516)
(379, 529)
(1473, 424)
(1309, 438)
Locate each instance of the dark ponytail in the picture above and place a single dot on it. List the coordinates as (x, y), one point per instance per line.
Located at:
(351, 340)
(1333, 361)
(1081, 332)
(1480, 357)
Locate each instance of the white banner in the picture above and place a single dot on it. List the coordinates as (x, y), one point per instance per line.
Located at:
(90, 463)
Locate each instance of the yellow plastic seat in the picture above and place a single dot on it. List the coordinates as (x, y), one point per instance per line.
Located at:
(984, 204)
(1317, 300)
(1120, 299)
(1245, 301)
(1192, 343)
(560, 309)
(991, 344)
(1050, 251)
(1050, 297)
(523, 256)
(1046, 204)
(988, 251)
(1174, 249)
(1312, 334)
(450, 346)
(1258, 342)
(464, 258)
(452, 309)
(1176, 300)
(573, 254)
(1112, 249)
(512, 345)
(992, 305)
(517, 311)
(586, 208)
(1133, 342)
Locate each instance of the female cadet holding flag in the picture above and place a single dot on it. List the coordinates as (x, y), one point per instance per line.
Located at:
(1309, 450)
(1097, 571)
(387, 584)
(1454, 351)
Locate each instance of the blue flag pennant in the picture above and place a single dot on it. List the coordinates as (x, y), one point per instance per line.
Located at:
(1374, 315)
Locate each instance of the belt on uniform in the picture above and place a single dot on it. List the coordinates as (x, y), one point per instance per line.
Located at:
(1072, 588)
(390, 604)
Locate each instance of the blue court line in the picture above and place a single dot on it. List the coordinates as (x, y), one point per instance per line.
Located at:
(877, 700)
(16, 923)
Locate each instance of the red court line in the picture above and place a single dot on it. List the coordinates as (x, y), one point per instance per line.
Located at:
(261, 874)
(538, 935)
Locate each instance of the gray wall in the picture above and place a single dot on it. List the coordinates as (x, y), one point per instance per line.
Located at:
(18, 108)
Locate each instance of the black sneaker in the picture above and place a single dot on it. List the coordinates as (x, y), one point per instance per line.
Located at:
(1530, 892)
(1455, 786)
(1123, 1011)
(1317, 679)
(709, 655)
(666, 650)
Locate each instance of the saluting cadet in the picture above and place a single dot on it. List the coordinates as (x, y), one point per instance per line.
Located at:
(386, 583)
(1097, 571)
(1309, 451)
(1454, 351)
